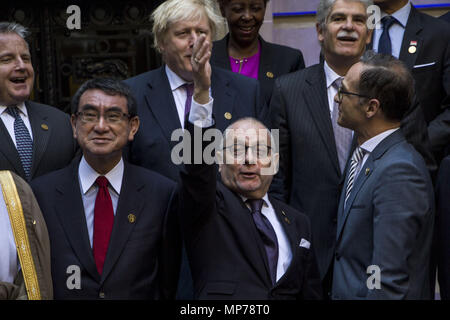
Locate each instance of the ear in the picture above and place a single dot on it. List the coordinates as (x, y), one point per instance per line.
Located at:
(134, 126)
(319, 31)
(373, 107)
(73, 122)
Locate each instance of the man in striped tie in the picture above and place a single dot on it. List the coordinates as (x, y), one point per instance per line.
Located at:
(386, 210)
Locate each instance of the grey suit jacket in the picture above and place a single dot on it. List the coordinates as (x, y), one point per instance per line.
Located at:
(387, 223)
(53, 143)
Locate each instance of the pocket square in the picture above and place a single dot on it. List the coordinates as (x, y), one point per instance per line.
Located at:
(304, 243)
(424, 65)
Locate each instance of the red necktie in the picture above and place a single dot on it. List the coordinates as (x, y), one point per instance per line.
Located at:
(103, 222)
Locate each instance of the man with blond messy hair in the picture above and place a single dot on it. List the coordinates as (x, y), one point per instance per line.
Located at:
(183, 32)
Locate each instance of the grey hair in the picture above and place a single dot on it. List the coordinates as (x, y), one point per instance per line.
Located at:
(325, 6)
(13, 27)
(172, 11)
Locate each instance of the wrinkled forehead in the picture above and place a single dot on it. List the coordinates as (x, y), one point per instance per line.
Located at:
(247, 136)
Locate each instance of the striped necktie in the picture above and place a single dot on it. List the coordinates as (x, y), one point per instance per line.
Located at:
(23, 141)
(357, 156)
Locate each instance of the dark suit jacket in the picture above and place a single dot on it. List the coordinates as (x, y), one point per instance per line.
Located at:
(442, 227)
(445, 17)
(430, 66)
(225, 251)
(142, 259)
(388, 223)
(275, 61)
(309, 178)
(53, 143)
(152, 145)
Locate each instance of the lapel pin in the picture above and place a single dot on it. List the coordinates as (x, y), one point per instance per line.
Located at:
(44, 126)
(367, 171)
(287, 220)
(269, 74)
(412, 47)
(131, 218)
(282, 212)
(227, 115)
(34, 222)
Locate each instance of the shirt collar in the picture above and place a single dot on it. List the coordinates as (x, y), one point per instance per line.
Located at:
(401, 15)
(175, 80)
(330, 75)
(22, 108)
(88, 176)
(372, 143)
(265, 198)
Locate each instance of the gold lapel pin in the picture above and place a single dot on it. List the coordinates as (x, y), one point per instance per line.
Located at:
(287, 220)
(228, 116)
(131, 218)
(44, 126)
(269, 74)
(367, 171)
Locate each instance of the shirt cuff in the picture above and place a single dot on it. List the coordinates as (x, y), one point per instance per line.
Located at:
(201, 114)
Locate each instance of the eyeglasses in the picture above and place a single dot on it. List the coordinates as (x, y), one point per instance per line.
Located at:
(92, 116)
(341, 93)
(239, 150)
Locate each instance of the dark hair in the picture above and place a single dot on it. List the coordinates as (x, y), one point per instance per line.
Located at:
(109, 86)
(389, 80)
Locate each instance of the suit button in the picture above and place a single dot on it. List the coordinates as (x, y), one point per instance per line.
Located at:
(101, 295)
(337, 255)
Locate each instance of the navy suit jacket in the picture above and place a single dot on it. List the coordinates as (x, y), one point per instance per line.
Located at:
(53, 143)
(233, 95)
(443, 227)
(225, 250)
(275, 60)
(142, 261)
(387, 223)
(430, 67)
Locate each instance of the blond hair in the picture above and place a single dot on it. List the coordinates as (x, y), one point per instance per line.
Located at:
(172, 11)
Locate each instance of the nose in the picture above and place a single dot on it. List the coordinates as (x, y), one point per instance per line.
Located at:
(101, 125)
(20, 64)
(349, 24)
(193, 38)
(250, 157)
(246, 15)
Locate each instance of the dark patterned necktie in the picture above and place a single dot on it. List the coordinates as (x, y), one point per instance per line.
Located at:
(385, 45)
(24, 144)
(189, 92)
(267, 234)
(103, 222)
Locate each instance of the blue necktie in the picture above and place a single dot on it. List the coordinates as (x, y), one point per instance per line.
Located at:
(268, 236)
(23, 141)
(384, 45)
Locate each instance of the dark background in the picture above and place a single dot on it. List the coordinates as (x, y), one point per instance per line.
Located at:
(114, 41)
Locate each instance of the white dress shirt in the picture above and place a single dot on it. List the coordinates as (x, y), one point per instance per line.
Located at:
(198, 112)
(8, 121)
(9, 262)
(284, 247)
(88, 188)
(330, 77)
(396, 32)
(370, 145)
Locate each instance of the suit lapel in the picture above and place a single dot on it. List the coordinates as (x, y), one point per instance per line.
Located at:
(240, 217)
(364, 174)
(412, 33)
(9, 150)
(315, 96)
(159, 99)
(130, 202)
(220, 49)
(70, 211)
(266, 73)
(41, 136)
(223, 99)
